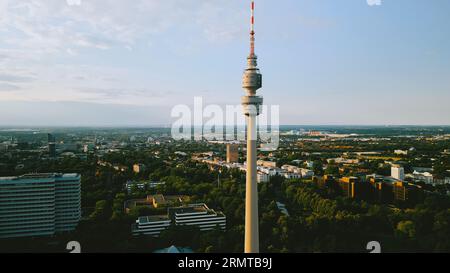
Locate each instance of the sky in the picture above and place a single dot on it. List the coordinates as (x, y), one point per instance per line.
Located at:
(129, 63)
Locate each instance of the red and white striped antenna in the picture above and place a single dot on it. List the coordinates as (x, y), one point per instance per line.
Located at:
(252, 30)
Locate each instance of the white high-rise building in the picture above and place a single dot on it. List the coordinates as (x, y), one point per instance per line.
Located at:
(39, 204)
(398, 172)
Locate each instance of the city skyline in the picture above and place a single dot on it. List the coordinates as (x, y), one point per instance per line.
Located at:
(109, 63)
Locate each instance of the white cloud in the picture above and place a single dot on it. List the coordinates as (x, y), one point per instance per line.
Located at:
(17, 78)
(38, 35)
(73, 2)
(8, 87)
(52, 25)
(374, 2)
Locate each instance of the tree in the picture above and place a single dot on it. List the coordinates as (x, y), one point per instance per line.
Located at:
(407, 228)
(101, 212)
(318, 167)
(332, 169)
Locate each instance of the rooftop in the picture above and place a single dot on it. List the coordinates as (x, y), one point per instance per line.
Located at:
(152, 218)
(174, 249)
(41, 176)
(194, 208)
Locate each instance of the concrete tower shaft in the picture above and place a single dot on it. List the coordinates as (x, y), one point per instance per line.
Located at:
(251, 82)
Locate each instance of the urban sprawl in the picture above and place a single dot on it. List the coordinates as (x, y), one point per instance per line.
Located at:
(140, 190)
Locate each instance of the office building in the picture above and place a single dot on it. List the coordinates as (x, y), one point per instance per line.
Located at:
(306, 173)
(51, 145)
(232, 153)
(383, 188)
(198, 215)
(138, 168)
(67, 147)
(398, 172)
(142, 185)
(348, 187)
(426, 177)
(3, 147)
(384, 192)
(39, 204)
(406, 192)
(267, 164)
(151, 225)
(157, 201)
(401, 152)
(262, 177)
(353, 187)
(327, 181)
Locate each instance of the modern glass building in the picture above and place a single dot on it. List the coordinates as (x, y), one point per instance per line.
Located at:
(39, 204)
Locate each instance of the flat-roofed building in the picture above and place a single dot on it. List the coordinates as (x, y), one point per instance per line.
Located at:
(426, 177)
(290, 168)
(142, 185)
(156, 201)
(151, 225)
(267, 164)
(306, 173)
(327, 181)
(398, 172)
(136, 185)
(289, 175)
(406, 192)
(133, 203)
(383, 187)
(354, 187)
(309, 164)
(160, 200)
(384, 192)
(401, 152)
(232, 153)
(51, 145)
(3, 147)
(198, 215)
(262, 177)
(139, 168)
(39, 204)
(347, 185)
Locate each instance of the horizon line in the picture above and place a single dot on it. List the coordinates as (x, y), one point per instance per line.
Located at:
(165, 126)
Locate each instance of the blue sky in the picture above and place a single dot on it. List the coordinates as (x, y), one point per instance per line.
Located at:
(113, 62)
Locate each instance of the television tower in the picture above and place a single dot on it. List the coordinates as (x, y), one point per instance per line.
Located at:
(252, 81)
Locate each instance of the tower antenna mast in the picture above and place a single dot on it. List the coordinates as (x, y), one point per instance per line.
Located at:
(252, 30)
